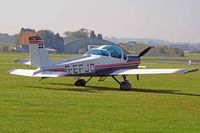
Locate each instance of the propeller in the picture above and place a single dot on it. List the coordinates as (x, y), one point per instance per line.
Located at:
(144, 51)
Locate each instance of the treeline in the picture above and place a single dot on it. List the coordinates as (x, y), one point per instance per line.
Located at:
(8, 39)
(51, 40)
(55, 41)
(82, 33)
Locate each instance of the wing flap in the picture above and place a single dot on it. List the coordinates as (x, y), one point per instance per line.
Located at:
(36, 73)
(151, 71)
(49, 74)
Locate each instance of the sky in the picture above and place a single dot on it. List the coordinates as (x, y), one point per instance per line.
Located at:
(170, 20)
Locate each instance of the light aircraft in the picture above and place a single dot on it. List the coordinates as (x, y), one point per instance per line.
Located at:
(104, 61)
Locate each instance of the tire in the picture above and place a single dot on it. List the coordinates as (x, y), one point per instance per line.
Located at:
(80, 82)
(125, 86)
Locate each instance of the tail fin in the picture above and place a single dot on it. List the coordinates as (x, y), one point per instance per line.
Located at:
(38, 53)
(144, 52)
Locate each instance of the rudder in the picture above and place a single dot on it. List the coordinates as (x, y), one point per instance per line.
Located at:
(38, 53)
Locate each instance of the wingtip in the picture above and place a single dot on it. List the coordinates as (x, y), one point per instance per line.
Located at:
(192, 70)
(10, 71)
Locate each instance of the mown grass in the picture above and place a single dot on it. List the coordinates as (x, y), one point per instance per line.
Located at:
(186, 56)
(193, 55)
(157, 104)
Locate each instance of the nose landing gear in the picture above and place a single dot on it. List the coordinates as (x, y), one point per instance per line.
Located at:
(124, 85)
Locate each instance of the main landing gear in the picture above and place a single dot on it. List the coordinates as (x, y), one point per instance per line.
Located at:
(124, 85)
(82, 82)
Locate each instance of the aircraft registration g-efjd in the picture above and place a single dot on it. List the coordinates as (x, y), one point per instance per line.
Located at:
(104, 61)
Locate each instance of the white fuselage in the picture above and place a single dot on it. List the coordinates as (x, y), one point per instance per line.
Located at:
(83, 65)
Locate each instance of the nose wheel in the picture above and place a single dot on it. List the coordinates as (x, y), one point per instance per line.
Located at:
(124, 85)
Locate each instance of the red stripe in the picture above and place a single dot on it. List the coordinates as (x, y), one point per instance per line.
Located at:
(117, 65)
(57, 69)
(36, 41)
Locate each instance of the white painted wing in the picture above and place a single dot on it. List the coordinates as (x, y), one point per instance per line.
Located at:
(51, 74)
(151, 71)
(36, 73)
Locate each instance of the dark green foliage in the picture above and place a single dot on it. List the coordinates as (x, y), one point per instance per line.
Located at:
(4, 48)
(8, 39)
(99, 36)
(92, 35)
(82, 33)
(52, 41)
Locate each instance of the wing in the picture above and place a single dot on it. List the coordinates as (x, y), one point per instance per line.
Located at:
(36, 73)
(151, 71)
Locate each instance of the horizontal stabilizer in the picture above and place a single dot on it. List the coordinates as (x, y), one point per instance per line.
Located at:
(24, 61)
(36, 73)
(151, 71)
(22, 72)
(49, 74)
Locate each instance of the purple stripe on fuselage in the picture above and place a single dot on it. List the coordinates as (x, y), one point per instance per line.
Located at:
(119, 65)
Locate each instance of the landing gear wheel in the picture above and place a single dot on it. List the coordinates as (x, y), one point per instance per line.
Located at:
(80, 82)
(125, 85)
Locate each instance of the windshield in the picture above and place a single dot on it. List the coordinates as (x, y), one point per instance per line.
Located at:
(109, 50)
(97, 52)
(114, 51)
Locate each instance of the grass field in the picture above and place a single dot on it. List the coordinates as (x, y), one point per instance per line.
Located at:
(186, 56)
(157, 104)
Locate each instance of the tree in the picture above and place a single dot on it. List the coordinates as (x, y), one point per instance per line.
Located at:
(92, 35)
(52, 41)
(82, 33)
(99, 36)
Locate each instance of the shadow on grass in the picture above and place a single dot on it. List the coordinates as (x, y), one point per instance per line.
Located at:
(97, 89)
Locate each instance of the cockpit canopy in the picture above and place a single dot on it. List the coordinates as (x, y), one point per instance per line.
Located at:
(108, 50)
